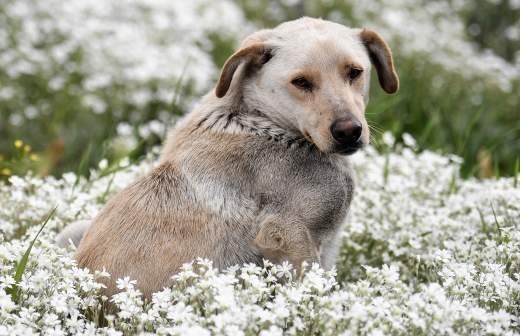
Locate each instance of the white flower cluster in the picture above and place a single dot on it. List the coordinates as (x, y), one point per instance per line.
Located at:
(424, 253)
(125, 44)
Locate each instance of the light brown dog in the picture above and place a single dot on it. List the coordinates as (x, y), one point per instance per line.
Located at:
(268, 144)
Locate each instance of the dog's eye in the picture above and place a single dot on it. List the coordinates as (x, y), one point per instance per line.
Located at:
(302, 83)
(353, 73)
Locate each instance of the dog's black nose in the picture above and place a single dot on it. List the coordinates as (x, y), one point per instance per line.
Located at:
(346, 131)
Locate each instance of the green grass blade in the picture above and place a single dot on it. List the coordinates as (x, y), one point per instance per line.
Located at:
(485, 228)
(83, 165)
(496, 221)
(386, 169)
(103, 197)
(22, 264)
(517, 172)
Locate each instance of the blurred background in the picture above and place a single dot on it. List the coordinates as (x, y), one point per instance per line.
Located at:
(82, 80)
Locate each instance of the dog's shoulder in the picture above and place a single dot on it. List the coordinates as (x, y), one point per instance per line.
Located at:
(247, 146)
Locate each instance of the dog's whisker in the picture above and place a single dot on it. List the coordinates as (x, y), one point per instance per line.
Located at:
(373, 138)
(374, 125)
(375, 142)
(375, 130)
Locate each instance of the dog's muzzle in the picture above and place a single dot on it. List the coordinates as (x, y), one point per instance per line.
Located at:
(346, 133)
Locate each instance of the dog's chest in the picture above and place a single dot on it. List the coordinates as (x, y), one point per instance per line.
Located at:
(306, 184)
(241, 180)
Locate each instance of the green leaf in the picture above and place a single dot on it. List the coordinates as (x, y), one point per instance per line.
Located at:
(22, 264)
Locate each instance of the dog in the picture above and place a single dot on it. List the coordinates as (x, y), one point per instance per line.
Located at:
(291, 242)
(268, 146)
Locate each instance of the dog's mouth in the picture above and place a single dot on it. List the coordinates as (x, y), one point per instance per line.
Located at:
(338, 147)
(348, 149)
(307, 136)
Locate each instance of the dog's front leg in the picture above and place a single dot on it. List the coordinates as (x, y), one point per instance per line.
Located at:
(290, 240)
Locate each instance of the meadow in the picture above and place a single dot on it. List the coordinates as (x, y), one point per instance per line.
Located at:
(432, 242)
(112, 86)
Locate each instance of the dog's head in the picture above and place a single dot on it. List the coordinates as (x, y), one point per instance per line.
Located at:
(311, 76)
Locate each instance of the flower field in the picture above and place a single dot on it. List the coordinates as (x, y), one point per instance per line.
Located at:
(111, 86)
(89, 89)
(424, 253)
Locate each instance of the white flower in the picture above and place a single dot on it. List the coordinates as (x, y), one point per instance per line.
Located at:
(6, 304)
(424, 251)
(409, 140)
(390, 273)
(59, 303)
(194, 331)
(388, 139)
(272, 331)
(126, 283)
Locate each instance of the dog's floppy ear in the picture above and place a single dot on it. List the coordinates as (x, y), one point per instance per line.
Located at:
(256, 54)
(381, 57)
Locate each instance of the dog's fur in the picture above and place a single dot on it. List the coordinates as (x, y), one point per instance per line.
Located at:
(257, 149)
(291, 242)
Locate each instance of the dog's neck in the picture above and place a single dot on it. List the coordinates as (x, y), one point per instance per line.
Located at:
(233, 120)
(216, 116)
